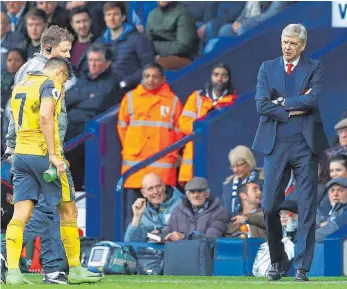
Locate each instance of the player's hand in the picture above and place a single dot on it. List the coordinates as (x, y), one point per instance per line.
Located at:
(58, 163)
(139, 207)
(174, 236)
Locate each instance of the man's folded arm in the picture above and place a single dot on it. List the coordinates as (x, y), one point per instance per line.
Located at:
(263, 100)
(309, 100)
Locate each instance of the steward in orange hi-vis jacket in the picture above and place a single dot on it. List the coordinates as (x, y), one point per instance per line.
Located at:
(219, 92)
(148, 123)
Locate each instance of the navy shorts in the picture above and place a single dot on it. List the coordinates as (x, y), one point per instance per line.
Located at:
(28, 182)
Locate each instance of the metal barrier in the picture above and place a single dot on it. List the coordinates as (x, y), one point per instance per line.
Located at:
(76, 141)
(119, 189)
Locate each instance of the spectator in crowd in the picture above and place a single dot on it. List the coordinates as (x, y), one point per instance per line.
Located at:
(131, 49)
(253, 14)
(227, 12)
(243, 164)
(138, 12)
(219, 92)
(199, 214)
(81, 23)
(147, 123)
(36, 20)
(93, 93)
(152, 212)
(172, 30)
(289, 218)
(56, 14)
(337, 190)
(14, 60)
(16, 11)
(339, 146)
(338, 169)
(95, 11)
(9, 39)
(251, 213)
(341, 129)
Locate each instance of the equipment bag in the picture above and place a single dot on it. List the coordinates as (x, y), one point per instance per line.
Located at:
(189, 257)
(150, 261)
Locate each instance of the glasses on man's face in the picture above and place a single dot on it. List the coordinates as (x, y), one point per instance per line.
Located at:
(238, 165)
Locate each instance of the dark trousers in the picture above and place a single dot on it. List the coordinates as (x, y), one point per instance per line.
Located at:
(130, 196)
(45, 222)
(298, 156)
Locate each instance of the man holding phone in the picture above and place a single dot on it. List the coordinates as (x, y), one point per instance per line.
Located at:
(152, 213)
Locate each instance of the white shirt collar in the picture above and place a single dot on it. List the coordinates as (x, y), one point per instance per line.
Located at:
(295, 63)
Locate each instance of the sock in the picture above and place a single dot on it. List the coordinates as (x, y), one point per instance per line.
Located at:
(14, 242)
(71, 240)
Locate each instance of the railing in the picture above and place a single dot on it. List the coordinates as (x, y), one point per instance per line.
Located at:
(76, 141)
(119, 189)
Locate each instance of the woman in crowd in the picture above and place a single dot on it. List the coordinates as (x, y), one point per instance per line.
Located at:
(243, 164)
(14, 60)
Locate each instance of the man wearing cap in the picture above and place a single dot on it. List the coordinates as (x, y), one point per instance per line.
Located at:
(199, 214)
(337, 190)
(341, 129)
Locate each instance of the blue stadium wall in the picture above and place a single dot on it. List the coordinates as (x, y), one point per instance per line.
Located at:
(222, 131)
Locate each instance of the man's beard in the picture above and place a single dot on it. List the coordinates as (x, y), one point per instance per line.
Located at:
(219, 86)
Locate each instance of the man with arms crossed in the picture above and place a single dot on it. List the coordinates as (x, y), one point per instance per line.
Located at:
(36, 104)
(291, 136)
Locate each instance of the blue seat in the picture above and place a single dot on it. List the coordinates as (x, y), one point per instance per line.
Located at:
(235, 257)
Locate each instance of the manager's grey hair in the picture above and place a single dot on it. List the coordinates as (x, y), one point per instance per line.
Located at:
(296, 30)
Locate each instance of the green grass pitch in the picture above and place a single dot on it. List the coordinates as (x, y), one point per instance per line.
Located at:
(190, 282)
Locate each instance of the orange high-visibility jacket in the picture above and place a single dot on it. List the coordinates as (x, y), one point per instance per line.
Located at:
(197, 105)
(148, 123)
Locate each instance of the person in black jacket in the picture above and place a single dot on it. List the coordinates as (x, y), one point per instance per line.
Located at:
(337, 190)
(93, 93)
(56, 15)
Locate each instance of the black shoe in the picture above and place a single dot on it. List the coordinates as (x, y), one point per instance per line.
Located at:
(57, 278)
(301, 275)
(278, 269)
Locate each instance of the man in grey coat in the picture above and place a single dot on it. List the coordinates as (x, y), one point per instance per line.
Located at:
(55, 41)
(198, 214)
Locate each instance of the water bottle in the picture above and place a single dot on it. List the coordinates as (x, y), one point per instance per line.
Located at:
(51, 175)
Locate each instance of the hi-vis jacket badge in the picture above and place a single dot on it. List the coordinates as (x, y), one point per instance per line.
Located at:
(164, 110)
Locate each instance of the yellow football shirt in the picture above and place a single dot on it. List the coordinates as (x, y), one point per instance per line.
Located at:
(26, 102)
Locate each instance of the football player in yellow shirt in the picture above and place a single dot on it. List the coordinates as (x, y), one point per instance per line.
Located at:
(36, 105)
